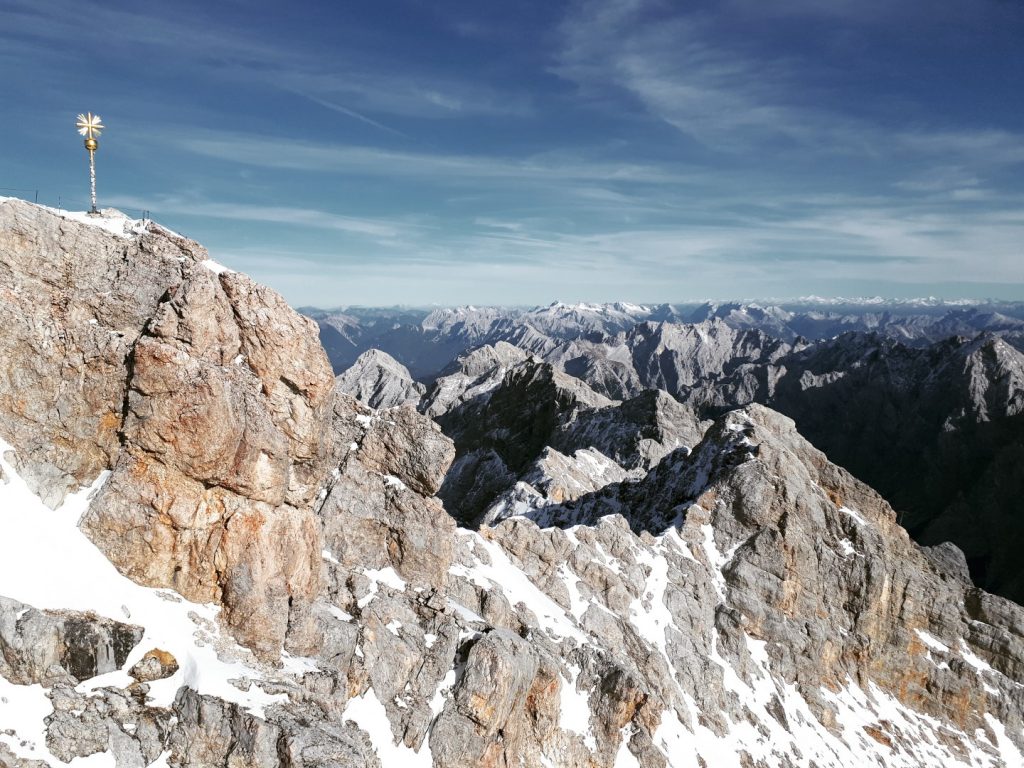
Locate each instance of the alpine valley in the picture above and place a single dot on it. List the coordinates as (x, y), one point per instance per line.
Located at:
(576, 536)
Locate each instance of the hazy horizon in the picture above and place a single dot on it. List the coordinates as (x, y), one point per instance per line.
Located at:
(764, 302)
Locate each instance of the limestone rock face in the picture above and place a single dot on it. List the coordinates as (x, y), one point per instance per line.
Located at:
(471, 376)
(204, 394)
(379, 511)
(404, 444)
(222, 455)
(380, 381)
(500, 672)
(73, 302)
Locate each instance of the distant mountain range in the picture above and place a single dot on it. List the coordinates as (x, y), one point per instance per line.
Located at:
(426, 341)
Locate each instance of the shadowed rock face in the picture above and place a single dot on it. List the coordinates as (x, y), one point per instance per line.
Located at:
(936, 429)
(526, 433)
(744, 603)
(55, 646)
(505, 427)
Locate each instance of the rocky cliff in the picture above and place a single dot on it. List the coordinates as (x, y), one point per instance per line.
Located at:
(290, 592)
(380, 381)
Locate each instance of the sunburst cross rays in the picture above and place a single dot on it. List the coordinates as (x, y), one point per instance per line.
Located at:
(90, 125)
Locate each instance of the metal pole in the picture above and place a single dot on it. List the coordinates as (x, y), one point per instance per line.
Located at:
(90, 126)
(92, 178)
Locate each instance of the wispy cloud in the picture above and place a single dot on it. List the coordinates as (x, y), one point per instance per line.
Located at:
(275, 152)
(980, 147)
(683, 68)
(675, 67)
(351, 113)
(298, 217)
(351, 78)
(421, 94)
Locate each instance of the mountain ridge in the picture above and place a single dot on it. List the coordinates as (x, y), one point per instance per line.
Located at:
(754, 603)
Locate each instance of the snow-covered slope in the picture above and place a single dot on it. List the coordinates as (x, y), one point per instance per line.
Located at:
(46, 562)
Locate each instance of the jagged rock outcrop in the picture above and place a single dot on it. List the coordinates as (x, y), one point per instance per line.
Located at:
(471, 377)
(636, 433)
(222, 454)
(519, 416)
(54, 646)
(573, 335)
(527, 434)
(380, 381)
(73, 301)
(211, 404)
(378, 511)
(937, 430)
(505, 427)
(736, 542)
(553, 479)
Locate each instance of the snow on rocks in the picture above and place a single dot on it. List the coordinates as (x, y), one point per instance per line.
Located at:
(109, 219)
(857, 516)
(369, 714)
(215, 267)
(501, 574)
(48, 563)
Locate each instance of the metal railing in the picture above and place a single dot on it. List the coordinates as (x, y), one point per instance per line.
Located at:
(35, 192)
(65, 203)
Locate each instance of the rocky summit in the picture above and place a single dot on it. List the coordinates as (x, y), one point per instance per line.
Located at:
(213, 554)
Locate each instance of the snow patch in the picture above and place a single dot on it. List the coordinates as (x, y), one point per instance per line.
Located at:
(386, 576)
(931, 641)
(574, 709)
(326, 555)
(215, 267)
(857, 516)
(109, 219)
(369, 714)
(501, 574)
(444, 689)
(40, 547)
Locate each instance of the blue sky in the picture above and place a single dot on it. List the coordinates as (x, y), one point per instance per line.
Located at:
(483, 152)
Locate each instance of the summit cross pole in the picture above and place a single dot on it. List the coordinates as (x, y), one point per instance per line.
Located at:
(90, 126)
